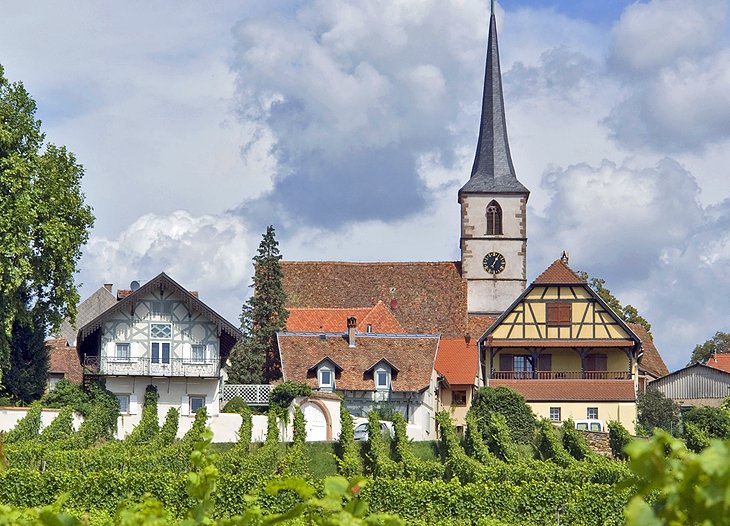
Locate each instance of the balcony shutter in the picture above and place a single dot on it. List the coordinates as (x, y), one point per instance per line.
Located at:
(505, 362)
(185, 405)
(133, 404)
(545, 362)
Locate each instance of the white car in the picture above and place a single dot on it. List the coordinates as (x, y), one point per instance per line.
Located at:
(590, 424)
(361, 430)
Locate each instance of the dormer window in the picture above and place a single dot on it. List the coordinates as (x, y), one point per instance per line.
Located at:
(326, 378)
(382, 379)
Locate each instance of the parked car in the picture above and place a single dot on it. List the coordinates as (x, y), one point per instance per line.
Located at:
(590, 424)
(361, 430)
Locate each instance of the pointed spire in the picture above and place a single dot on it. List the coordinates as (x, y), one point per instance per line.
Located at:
(493, 171)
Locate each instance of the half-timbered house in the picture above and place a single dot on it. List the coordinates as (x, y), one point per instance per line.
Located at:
(159, 334)
(565, 351)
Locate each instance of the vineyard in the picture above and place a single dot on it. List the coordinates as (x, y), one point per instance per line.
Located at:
(62, 476)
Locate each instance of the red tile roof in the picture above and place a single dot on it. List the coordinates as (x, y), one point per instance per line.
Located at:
(571, 390)
(720, 361)
(558, 273)
(64, 360)
(426, 298)
(380, 318)
(651, 361)
(412, 355)
(458, 361)
(478, 324)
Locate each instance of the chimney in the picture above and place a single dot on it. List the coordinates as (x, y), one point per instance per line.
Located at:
(467, 337)
(108, 286)
(351, 330)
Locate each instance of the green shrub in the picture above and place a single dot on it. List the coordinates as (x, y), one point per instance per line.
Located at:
(618, 439)
(498, 438)
(511, 405)
(149, 424)
(377, 450)
(27, 427)
(549, 445)
(272, 428)
(695, 437)
(234, 405)
(457, 464)
(348, 461)
(411, 466)
(67, 394)
(712, 420)
(283, 394)
(574, 442)
(169, 428)
(246, 429)
(60, 429)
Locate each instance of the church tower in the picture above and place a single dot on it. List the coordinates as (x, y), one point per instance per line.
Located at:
(493, 205)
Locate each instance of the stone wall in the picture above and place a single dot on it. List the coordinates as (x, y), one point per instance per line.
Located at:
(598, 442)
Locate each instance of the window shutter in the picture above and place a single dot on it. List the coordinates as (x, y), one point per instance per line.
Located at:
(545, 362)
(601, 362)
(133, 404)
(589, 363)
(185, 406)
(505, 362)
(564, 314)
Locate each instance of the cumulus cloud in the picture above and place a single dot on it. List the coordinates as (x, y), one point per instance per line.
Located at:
(210, 254)
(676, 97)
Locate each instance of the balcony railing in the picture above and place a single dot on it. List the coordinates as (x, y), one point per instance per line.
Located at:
(560, 375)
(145, 367)
(252, 394)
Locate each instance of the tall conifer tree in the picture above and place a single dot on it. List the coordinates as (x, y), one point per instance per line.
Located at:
(256, 358)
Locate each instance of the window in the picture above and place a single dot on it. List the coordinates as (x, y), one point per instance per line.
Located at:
(559, 314)
(382, 379)
(160, 330)
(592, 413)
(522, 363)
(555, 414)
(596, 362)
(122, 352)
(123, 403)
(53, 379)
(196, 402)
(197, 354)
(458, 398)
(494, 219)
(325, 378)
(160, 352)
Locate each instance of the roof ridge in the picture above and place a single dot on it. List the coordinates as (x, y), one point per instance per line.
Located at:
(558, 272)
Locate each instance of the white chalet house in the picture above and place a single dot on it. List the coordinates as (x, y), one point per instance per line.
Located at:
(160, 334)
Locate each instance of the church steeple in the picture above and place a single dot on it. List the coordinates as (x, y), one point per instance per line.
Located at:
(493, 171)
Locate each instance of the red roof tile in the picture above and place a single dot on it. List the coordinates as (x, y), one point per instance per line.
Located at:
(64, 360)
(426, 298)
(458, 361)
(380, 318)
(558, 273)
(478, 324)
(412, 355)
(720, 361)
(571, 390)
(651, 361)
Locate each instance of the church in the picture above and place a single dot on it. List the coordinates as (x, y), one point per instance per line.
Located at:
(555, 341)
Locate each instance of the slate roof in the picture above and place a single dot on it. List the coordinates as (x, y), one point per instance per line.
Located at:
(380, 318)
(425, 298)
(493, 171)
(412, 354)
(651, 361)
(458, 361)
(90, 308)
(571, 390)
(720, 361)
(558, 273)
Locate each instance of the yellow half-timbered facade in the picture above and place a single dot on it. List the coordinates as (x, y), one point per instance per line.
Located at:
(565, 351)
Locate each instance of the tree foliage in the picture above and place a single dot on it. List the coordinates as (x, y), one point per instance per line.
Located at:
(44, 220)
(712, 420)
(719, 343)
(627, 313)
(655, 410)
(256, 358)
(25, 379)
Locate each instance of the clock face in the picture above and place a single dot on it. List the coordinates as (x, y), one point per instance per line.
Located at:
(494, 262)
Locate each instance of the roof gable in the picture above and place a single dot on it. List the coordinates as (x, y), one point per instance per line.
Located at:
(719, 361)
(558, 273)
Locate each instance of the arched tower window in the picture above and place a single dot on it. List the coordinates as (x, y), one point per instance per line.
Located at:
(494, 219)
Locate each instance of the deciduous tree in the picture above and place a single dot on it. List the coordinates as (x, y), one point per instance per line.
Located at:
(44, 220)
(719, 343)
(655, 410)
(256, 356)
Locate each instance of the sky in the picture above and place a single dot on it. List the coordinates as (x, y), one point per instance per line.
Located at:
(350, 126)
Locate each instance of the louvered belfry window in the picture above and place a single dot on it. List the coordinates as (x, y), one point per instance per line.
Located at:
(494, 219)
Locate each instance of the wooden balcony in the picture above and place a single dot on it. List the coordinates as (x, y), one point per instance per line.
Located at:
(174, 367)
(560, 375)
